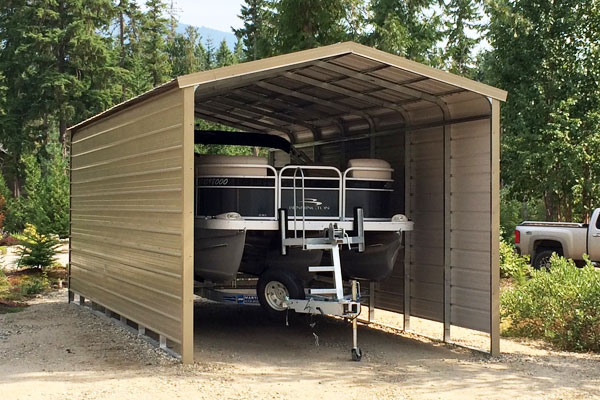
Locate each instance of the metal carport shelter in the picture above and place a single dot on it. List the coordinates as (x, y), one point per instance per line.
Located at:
(132, 180)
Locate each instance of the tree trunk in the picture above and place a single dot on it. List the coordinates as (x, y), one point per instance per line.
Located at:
(122, 43)
(550, 205)
(60, 67)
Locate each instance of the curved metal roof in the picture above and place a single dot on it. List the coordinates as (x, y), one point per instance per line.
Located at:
(326, 92)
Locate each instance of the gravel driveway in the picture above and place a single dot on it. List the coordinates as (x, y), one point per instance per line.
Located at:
(54, 350)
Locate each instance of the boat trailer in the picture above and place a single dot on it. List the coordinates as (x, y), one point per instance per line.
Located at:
(318, 301)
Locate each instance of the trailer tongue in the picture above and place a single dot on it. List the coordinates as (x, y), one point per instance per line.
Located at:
(337, 305)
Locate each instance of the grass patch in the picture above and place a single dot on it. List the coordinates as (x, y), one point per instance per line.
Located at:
(8, 306)
(10, 310)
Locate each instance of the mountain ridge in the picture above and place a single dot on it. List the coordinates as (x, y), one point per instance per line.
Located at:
(215, 35)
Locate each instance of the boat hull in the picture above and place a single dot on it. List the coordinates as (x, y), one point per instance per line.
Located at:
(217, 254)
(263, 251)
(377, 261)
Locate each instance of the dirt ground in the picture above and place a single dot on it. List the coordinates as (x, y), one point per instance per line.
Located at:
(53, 350)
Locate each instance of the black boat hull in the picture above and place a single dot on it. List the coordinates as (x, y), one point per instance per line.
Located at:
(377, 261)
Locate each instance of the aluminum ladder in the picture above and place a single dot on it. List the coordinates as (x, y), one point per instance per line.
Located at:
(332, 241)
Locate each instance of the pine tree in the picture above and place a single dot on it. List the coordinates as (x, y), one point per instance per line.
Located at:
(310, 23)
(209, 55)
(223, 56)
(238, 52)
(135, 79)
(154, 43)
(257, 33)
(187, 53)
(58, 68)
(409, 28)
(462, 26)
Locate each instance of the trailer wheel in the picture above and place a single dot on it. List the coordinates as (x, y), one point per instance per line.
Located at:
(274, 288)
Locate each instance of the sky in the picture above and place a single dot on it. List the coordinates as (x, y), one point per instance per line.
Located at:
(215, 14)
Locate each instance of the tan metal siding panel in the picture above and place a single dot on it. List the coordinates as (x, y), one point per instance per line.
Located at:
(470, 222)
(471, 318)
(427, 212)
(389, 294)
(127, 213)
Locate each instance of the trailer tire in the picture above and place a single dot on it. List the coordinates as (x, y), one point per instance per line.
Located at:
(273, 287)
(542, 258)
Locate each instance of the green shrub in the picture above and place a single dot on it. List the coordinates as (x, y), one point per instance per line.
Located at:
(513, 265)
(561, 305)
(5, 285)
(33, 285)
(37, 250)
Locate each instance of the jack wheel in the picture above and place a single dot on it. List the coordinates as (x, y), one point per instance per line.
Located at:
(356, 354)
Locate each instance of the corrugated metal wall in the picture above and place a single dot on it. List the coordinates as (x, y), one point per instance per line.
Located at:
(471, 225)
(426, 242)
(389, 294)
(470, 229)
(127, 213)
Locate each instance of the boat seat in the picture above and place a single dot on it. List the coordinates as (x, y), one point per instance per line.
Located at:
(209, 165)
(369, 163)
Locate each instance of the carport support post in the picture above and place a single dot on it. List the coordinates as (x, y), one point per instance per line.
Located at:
(187, 233)
(407, 212)
(371, 301)
(447, 229)
(495, 232)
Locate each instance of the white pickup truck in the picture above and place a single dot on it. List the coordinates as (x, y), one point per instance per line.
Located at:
(571, 240)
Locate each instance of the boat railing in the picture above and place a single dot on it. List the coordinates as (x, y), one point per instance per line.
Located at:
(314, 174)
(299, 169)
(327, 188)
(348, 178)
(221, 181)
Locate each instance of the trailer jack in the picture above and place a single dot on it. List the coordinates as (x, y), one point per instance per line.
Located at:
(348, 308)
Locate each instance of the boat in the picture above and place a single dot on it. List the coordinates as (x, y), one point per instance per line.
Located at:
(237, 209)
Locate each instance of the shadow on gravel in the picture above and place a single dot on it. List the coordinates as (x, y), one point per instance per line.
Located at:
(244, 336)
(55, 341)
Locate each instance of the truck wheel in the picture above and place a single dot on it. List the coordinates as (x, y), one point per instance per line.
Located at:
(274, 288)
(542, 259)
